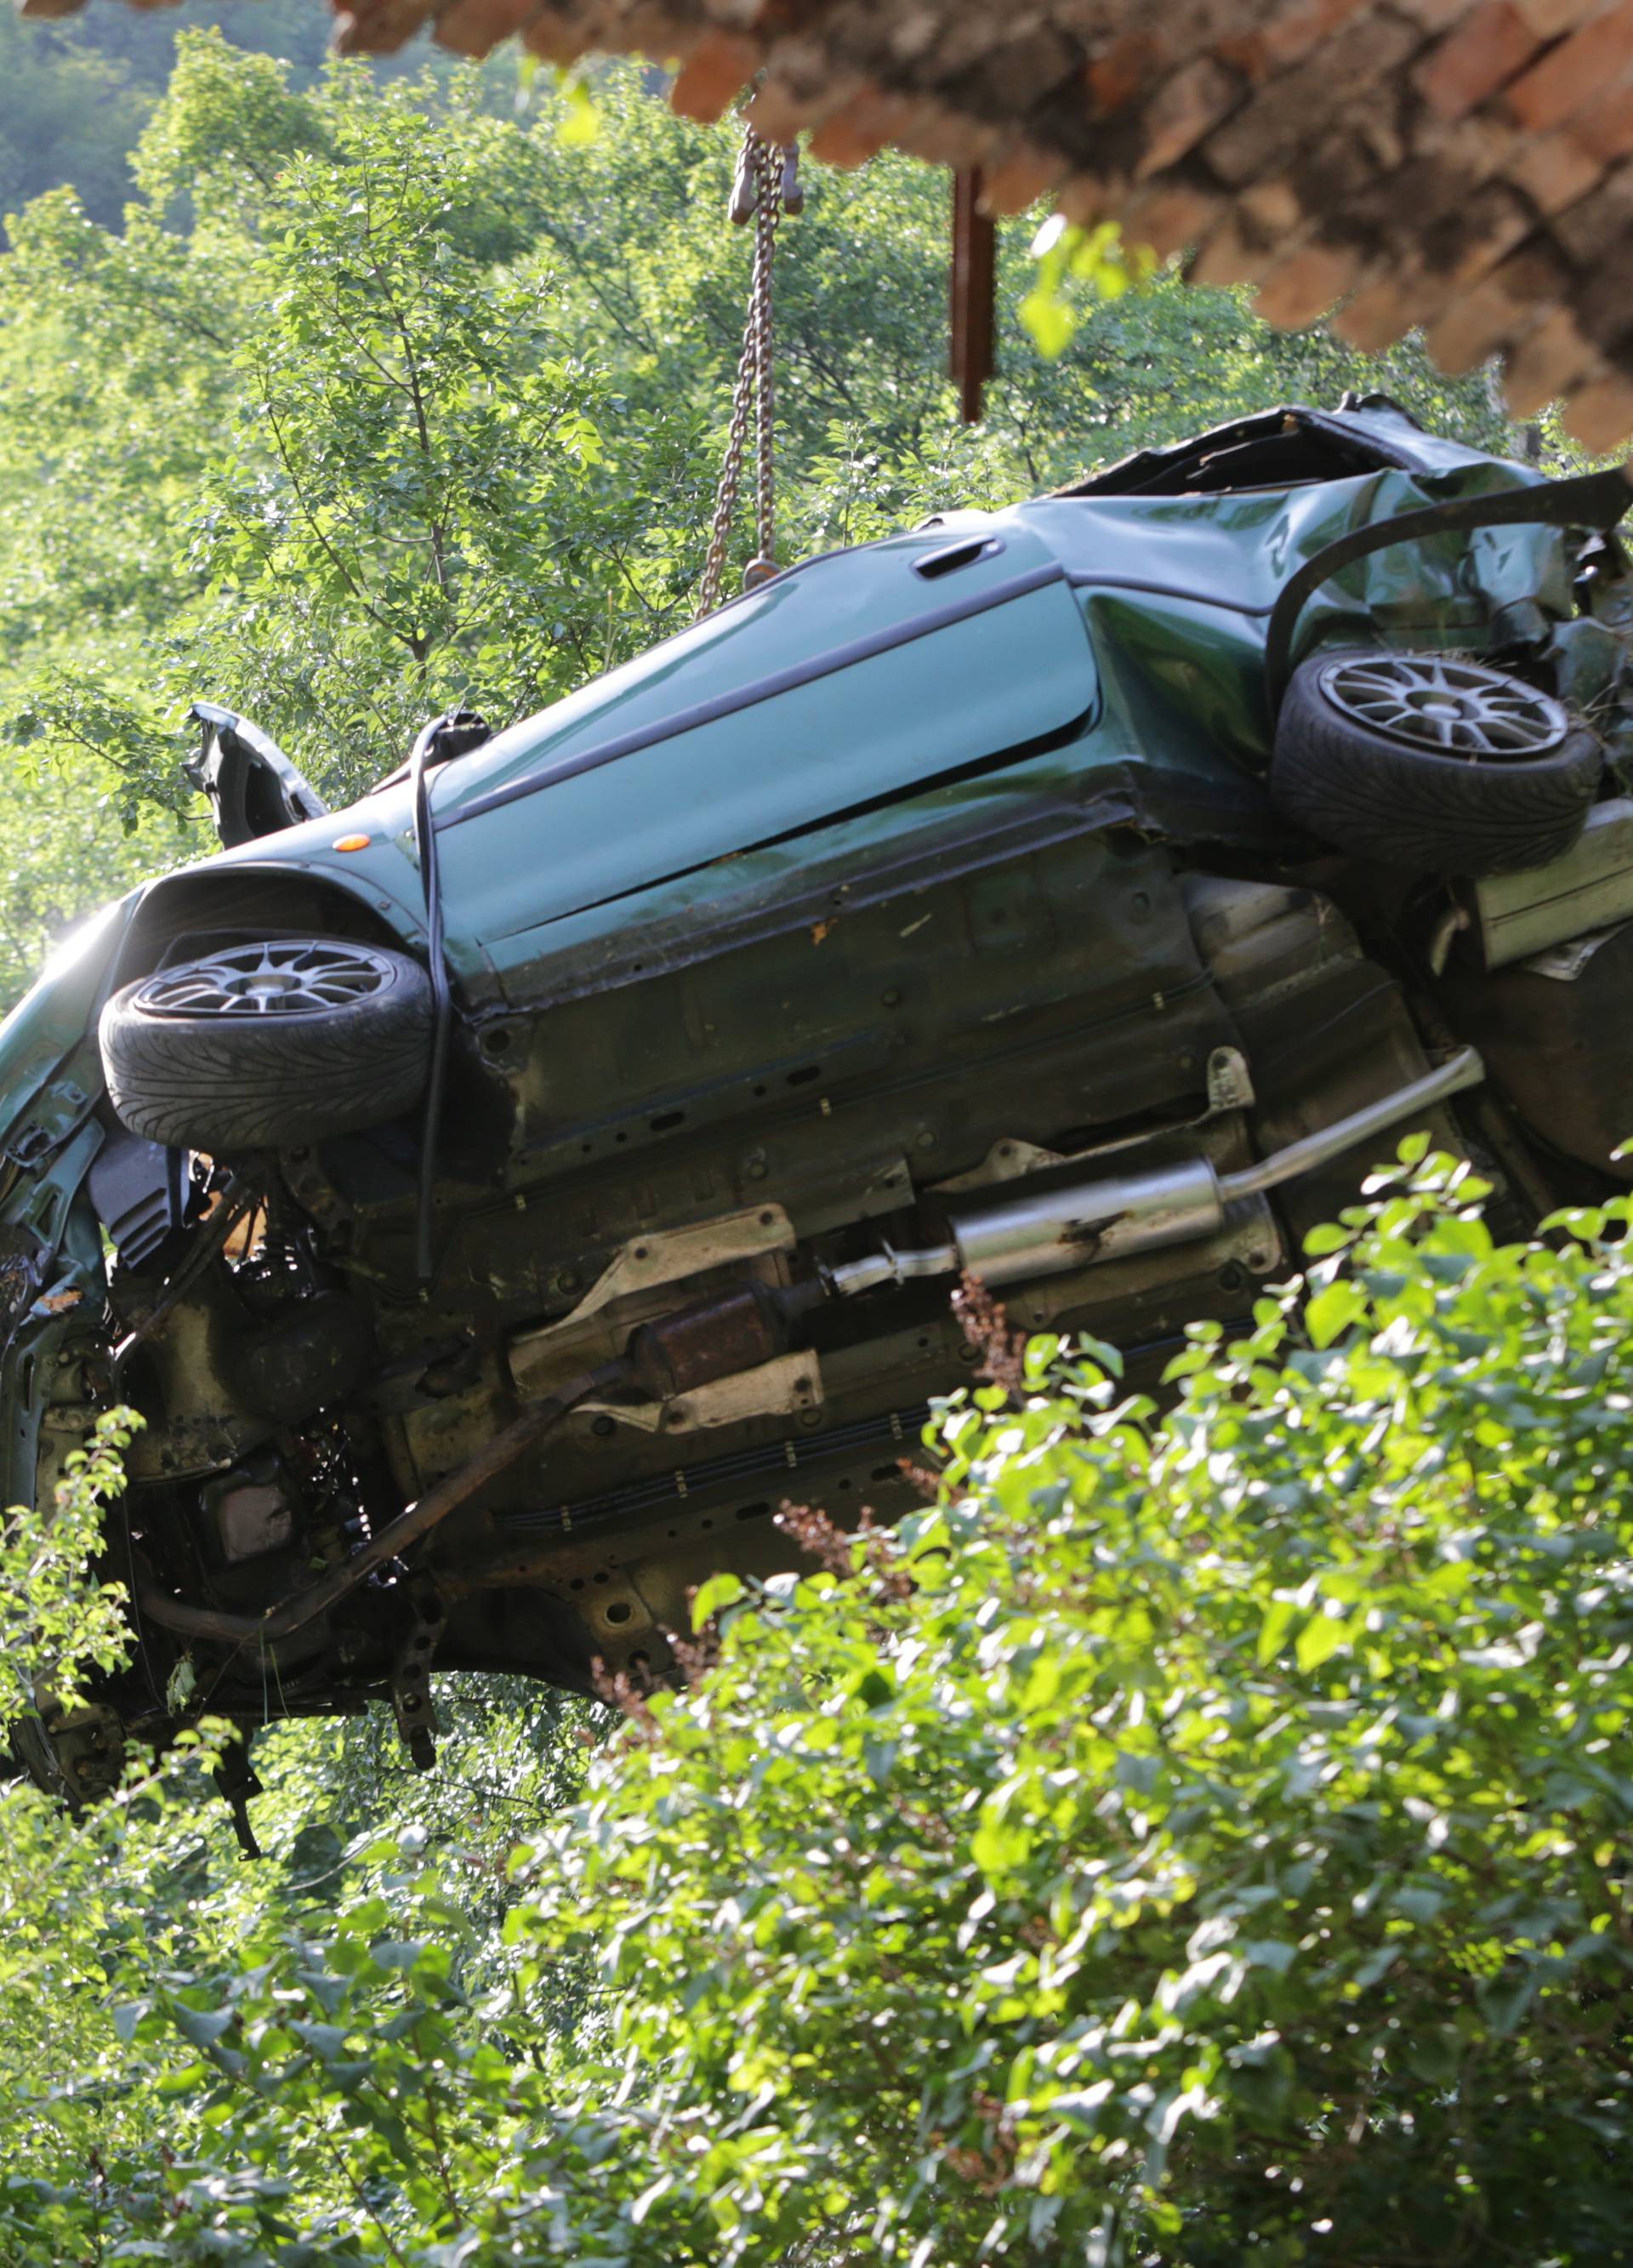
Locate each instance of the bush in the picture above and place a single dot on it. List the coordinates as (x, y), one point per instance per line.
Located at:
(1195, 1838)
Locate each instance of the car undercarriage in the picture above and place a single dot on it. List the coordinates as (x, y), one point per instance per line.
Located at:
(706, 1179)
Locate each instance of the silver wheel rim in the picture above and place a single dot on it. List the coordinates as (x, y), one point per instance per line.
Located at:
(1450, 708)
(268, 979)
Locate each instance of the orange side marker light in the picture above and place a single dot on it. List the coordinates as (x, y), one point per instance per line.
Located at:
(352, 842)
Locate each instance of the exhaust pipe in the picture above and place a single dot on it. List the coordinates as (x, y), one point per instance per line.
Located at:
(1090, 1222)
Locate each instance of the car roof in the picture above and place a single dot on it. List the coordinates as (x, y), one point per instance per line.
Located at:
(1286, 447)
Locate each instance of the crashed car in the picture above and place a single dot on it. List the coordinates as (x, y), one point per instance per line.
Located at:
(500, 1197)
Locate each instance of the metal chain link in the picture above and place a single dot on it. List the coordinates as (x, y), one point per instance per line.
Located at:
(761, 191)
(767, 212)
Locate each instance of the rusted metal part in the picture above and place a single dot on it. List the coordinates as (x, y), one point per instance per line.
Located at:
(720, 1360)
(766, 187)
(302, 1607)
(411, 1676)
(632, 1290)
(714, 1339)
(974, 356)
(788, 1387)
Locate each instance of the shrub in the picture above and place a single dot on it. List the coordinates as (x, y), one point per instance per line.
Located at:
(1195, 1837)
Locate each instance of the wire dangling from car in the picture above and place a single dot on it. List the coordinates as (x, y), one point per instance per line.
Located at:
(454, 733)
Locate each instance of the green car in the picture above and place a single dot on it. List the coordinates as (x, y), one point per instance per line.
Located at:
(501, 1198)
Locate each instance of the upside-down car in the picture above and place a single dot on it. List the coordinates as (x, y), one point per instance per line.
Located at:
(499, 1197)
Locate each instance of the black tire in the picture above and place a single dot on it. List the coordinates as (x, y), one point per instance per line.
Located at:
(263, 1045)
(1507, 784)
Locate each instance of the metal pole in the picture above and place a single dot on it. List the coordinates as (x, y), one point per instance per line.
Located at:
(974, 357)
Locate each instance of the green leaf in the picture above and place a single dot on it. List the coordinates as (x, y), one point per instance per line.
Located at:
(1332, 1312)
(1322, 1638)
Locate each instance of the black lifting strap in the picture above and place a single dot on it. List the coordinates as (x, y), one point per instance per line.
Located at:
(446, 737)
(1595, 500)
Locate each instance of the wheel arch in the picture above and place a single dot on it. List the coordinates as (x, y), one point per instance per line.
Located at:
(266, 899)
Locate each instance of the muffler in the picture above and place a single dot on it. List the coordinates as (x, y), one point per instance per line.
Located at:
(1090, 1221)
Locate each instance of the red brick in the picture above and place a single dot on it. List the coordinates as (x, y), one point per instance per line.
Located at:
(850, 137)
(1384, 308)
(943, 137)
(1605, 129)
(1472, 237)
(1600, 414)
(1186, 107)
(1590, 228)
(471, 27)
(1435, 15)
(1488, 49)
(1273, 210)
(379, 29)
(1170, 218)
(1233, 253)
(784, 106)
(1574, 72)
(548, 34)
(1285, 36)
(1478, 322)
(717, 70)
(1549, 19)
(1554, 171)
(1551, 359)
(1126, 68)
(1086, 199)
(1294, 106)
(1306, 285)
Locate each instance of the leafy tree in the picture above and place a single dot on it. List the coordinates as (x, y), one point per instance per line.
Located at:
(67, 114)
(429, 505)
(76, 92)
(55, 1623)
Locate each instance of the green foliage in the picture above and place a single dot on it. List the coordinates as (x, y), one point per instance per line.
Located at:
(1096, 257)
(76, 92)
(56, 1622)
(69, 715)
(1197, 1835)
(426, 507)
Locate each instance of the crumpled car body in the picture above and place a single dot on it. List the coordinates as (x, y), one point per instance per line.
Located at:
(928, 885)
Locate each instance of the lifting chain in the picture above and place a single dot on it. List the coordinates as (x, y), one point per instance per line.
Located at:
(767, 187)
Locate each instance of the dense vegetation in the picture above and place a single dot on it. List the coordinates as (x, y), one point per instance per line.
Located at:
(1192, 1838)
(1191, 1828)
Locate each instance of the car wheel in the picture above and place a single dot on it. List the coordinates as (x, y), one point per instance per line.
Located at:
(1431, 764)
(286, 1039)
